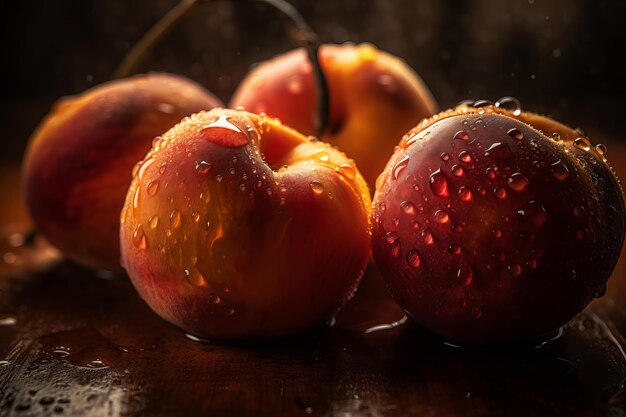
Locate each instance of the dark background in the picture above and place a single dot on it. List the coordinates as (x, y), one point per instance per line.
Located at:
(561, 57)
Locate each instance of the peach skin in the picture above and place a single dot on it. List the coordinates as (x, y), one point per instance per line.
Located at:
(236, 226)
(78, 163)
(374, 99)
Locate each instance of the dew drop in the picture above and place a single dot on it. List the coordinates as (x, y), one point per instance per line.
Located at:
(139, 238)
(499, 150)
(455, 249)
(413, 258)
(218, 178)
(515, 134)
(408, 208)
(466, 274)
(153, 188)
(203, 167)
(229, 311)
(347, 171)
(457, 170)
(583, 143)
(465, 194)
(515, 270)
(500, 192)
(393, 241)
(214, 298)
(195, 216)
(517, 182)
(511, 104)
(175, 219)
(322, 156)
(316, 186)
(579, 211)
(223, 132)
(559, 170)
(445, 156)
(428, 237)
(294, 85)
(441, 216)
(461, 135)
(439, 183)
(533, 212)
(601, 150)
(154, 222)
(465, 157)
(531, 264)
(399, 166)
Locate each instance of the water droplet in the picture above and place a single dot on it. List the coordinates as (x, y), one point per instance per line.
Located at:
(382, 207)
(429, 239)
(203, 167)
(534, 212)
(139, 238)
(583, 143)
(439, 183)
(195, 216)
(579, 211)
(499, 150)
(445, 156)
(465, 157)
(347, 171)
(399, 166)
(601, 149)
(517, 182)
(175, 219)
(317, 187)
(214, 298)
(515, 134)
(466, 274)
(229, 311)
(393, 241)
(154, 222)
(294, 85)
(461, 135)
(415, 224)
(515, 270)
(144, 166)
(413, 258)
(465, 194)
(153, 188)
(500, 192)
(454, 249)
(559, 170)
(482, 103)
(441, 216)
(511, 104)
(223, 132)
(162, 169)
(388, 83)
(218, 178)
(408, 208)
(322, 156)
(531, 264)
(457, 170)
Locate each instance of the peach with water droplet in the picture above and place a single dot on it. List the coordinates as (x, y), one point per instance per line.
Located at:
(374, 99)
(78, 163)
(519, 228)
(251, 213)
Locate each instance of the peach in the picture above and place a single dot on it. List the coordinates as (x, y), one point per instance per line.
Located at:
(78, 163)
(374, 99)
(495, 225)
(236, 226)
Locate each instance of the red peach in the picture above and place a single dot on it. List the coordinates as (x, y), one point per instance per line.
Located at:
(374, 99)
(78, 163)
(237, 226)
(493, 225)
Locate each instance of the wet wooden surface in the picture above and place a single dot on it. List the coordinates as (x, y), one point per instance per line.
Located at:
(79, 342)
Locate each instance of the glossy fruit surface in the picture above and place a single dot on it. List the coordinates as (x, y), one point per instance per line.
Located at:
(494, 225)
(237, 226)
(78, 164)
(374, 99)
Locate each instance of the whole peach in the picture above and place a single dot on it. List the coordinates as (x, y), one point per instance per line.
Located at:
(236, 226)
(374, 99)
(79, 160)
(495, 225)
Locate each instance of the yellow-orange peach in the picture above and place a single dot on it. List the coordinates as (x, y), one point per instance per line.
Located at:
(237, 226)
(78, 163)
(374, 99)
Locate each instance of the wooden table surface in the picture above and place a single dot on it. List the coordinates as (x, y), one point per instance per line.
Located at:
(80, 342)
